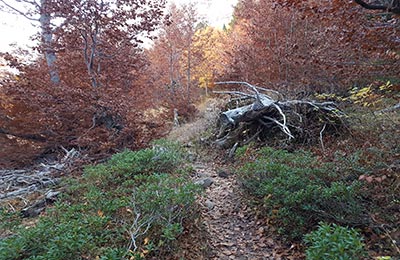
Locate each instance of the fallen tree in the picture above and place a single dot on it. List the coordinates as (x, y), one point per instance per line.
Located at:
(264, 115)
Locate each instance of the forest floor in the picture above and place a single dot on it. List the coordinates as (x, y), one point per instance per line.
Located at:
(228, 223)
(229, 228)
(233, 230)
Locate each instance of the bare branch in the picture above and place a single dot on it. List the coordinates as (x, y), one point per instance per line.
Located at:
(237, 93)
(321, 137)
(17, 11)
(285, 129)
(390, 109)
(243, 83)
(393, 7)
(297, 119)
(270, 90)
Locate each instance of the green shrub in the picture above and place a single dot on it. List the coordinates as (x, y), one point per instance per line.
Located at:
(241, 151)
(296, 191)
(163, 157)
(9, 221)
(333, 242)
(95, 218)
(160, 205)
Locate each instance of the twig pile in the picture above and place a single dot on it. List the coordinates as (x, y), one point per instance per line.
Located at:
(14, 183)
(263, 115)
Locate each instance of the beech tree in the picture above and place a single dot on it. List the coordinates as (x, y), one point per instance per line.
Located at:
(189, 21)
(167, 53)
(39, 12)
(211, 42)
(319, 46)
(106, 28)
(94, 105)
(98, 23)
(173, 58)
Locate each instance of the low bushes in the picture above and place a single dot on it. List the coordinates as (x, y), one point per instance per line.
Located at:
(132, 206)
(333, 242)
(296, 191)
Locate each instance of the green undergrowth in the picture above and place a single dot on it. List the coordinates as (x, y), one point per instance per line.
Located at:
(333, 242)
(295, 191)
(352, 181)
(131, 207)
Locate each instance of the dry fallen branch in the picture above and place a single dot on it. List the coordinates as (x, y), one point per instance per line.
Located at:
(390, 109)
(15, 183)
(259, 116)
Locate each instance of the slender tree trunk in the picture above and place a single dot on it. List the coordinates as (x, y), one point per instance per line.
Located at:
(47, 42)
(188, 73)
(89, 53)
(172, 81)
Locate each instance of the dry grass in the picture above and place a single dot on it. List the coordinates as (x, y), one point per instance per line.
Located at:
(209, 110)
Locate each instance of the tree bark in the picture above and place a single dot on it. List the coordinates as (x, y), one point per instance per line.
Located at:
(47, 42)
(90, 42)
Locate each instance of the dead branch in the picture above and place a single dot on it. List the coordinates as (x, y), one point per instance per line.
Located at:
(263, 117)
(391, 6)
(15, 183)
(390, 109)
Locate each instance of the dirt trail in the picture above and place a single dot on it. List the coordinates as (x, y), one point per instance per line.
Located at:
(233, 232)
(228, 229)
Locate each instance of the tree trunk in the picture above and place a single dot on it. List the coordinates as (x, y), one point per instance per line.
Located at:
(47, 42)
(89, 53)
(188, 71)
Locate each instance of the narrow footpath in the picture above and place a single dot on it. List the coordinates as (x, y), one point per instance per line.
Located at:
(233, 232)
